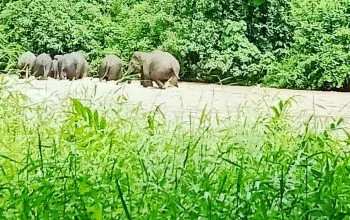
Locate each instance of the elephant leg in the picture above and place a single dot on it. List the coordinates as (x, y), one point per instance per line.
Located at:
(160, 84)
(119, 73)
(46, 72)
(84, 70)
(142, 79)
(78, 71)
(27, 73)
(174, 82)
(146, 76)
(146, 80)
(36, 71)
(62, 75)
(31, 69)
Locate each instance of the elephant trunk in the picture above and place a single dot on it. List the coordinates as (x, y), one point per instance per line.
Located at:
(131, 69)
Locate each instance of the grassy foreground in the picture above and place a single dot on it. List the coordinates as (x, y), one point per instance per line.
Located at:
(79, 163)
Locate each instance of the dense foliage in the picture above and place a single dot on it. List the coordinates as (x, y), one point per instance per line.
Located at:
(293, 43)
(320, 54)
(77, 163)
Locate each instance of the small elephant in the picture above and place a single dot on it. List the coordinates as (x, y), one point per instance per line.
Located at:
(59, 59)
(42, 65)
(110, 68)
(54, 69)
(26, 62)
(82, 64)
(69, 67)
(157, 66)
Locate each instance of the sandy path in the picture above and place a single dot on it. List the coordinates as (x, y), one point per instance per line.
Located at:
(188, 98)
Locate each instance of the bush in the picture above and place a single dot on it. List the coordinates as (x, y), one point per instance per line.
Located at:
(229, 41)
(319, 57)
(218, 51)
(8, 53)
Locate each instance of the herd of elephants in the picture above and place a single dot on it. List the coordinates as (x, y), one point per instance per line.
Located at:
(155, 66)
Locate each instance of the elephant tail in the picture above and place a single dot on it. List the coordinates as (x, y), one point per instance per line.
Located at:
(106, 73)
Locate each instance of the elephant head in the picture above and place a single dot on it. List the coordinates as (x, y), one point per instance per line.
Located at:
(136, 62)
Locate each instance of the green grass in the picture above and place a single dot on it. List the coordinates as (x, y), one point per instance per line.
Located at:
(78, 163)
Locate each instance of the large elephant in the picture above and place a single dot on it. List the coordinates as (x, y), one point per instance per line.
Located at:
(69, 67)
(82, 64)
(110, 68)
(42, 65)
(157, 66)
(59, 59)
(26, 62)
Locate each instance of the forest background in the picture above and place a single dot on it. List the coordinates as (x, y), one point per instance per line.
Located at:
(302, 44)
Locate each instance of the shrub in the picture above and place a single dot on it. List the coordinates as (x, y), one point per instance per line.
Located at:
(319, 57)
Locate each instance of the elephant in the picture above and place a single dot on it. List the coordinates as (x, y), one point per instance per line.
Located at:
(69, 67)
(42, 65)
(157, 66)
(110, 68)
(54, 69)
(59, 59)
(82, 65)
(26, 62)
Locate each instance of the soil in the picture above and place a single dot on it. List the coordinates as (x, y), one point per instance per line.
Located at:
(189, 98)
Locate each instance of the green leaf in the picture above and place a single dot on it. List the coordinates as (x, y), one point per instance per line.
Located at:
(96, 210)
(258, 2)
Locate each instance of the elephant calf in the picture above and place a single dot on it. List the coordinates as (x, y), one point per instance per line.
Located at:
(26, 62)
(42, 65)
(54, 69)
(155, 66)
(110, 68)
(59, 59)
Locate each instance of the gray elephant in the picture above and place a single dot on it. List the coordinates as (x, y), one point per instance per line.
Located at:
(26, 62)
(69, 67)
(59, 59)
(42, 65)
(82, 64)
(54, 69)
(110, 68)
(157, 66)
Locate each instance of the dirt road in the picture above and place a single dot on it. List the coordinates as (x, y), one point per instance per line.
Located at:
(189, 98)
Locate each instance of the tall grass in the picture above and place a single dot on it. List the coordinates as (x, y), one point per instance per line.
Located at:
(79, 163)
